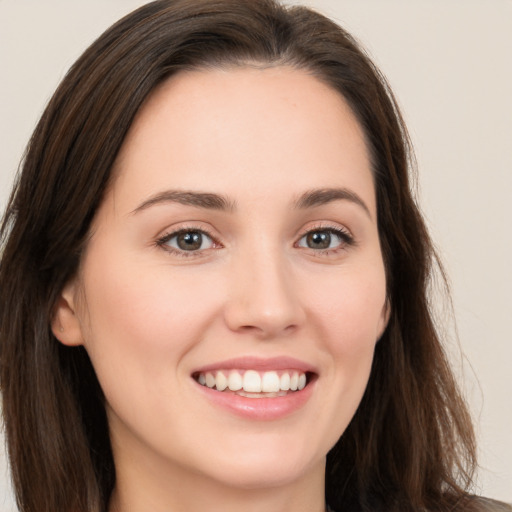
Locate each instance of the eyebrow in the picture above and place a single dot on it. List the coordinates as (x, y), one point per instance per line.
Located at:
(210, 201)
(321, 196)
(205, 200)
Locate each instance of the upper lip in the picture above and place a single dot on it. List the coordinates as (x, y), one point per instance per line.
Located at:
(259, 364)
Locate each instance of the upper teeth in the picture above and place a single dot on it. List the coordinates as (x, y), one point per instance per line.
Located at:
(253, 381)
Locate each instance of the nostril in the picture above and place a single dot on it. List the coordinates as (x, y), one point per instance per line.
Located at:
(267, 331)
(263, 301)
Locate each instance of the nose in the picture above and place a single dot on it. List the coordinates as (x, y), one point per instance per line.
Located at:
(263, 299)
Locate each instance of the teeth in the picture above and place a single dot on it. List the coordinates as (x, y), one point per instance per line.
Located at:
(285, 382)
(294, 381)
(234, 381)
(221, 381)
(210, 380)
(250, 382)
(270, 382)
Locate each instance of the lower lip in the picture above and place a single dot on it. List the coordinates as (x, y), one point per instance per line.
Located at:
(264, 409)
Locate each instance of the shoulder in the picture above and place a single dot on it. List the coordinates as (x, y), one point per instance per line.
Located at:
(475, 504)
(487, 505)
(480, 504)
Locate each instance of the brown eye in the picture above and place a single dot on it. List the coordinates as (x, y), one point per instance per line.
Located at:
(318, 240)
(189, 241)
(322, 239)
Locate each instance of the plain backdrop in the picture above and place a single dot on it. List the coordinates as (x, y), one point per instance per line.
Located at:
(450, 65)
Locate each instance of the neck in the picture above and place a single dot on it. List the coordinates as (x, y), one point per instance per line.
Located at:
(177, 489)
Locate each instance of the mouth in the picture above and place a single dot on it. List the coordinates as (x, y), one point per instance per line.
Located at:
(254, 388)
(251, 383)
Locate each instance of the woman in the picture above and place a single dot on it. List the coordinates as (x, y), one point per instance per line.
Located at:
(214, 280)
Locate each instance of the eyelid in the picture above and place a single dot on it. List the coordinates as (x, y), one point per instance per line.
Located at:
(325, 226)
(347, 239)
(162, 240)
(344, 233)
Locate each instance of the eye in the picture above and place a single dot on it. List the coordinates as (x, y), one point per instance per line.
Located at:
(188, 240)
(324, 239)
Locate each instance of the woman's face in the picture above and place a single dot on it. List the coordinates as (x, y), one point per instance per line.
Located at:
(237, 246)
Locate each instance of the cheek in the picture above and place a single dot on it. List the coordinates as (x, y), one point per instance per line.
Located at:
(351, 308)
(140, 323)
(150, 307)
(350, 315)
(346, 313)
(141, 320)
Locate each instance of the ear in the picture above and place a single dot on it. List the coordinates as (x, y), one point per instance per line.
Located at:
(65, 323)
(384, 319)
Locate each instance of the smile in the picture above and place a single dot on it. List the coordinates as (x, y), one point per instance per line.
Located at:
(252, 383)
(254, 388)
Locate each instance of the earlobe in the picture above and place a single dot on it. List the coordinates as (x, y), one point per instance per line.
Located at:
(386, 313)
(65, 322)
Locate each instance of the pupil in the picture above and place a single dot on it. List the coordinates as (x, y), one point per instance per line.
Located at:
(190, 241)
(319, 240)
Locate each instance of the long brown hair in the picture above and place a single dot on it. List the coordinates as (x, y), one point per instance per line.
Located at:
(410, 445)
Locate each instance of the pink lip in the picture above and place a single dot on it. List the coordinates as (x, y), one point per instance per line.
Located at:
(259, 364)
(262, 409)
(265, 409)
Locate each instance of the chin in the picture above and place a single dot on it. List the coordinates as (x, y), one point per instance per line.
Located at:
(268, 475)
(265, 465)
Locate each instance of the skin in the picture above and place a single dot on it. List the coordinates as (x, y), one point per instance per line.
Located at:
(150, 315)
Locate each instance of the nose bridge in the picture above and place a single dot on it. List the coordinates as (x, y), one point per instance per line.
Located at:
(263, 297)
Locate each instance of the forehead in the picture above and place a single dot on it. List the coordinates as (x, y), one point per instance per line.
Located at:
(244, 129)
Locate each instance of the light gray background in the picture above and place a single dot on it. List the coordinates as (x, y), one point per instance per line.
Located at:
(450, 65)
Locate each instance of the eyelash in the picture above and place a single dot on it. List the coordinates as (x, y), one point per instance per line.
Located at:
(163, 241)
(346, 240)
